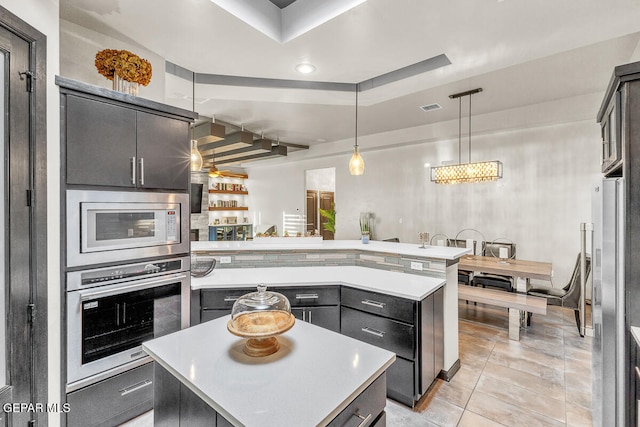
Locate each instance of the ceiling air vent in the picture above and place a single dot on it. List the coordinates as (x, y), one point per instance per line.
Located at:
(431, 107)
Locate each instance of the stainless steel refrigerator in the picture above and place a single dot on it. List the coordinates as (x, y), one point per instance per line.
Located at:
(609, 355)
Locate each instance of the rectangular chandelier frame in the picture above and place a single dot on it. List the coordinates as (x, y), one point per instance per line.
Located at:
(467, 172)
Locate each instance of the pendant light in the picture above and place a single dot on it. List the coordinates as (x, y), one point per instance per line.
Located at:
(468, 172)
(196, 157)
(356, 164)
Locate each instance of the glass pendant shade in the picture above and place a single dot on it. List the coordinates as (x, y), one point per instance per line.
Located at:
(356, 164)
(196, 157)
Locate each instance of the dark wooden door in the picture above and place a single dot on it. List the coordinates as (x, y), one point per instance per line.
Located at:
(312, 211)
(163, 147)
(23, 131)
(327, 203)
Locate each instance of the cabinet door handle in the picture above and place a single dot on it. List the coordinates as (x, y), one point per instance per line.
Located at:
(307, 296)
(141, 170)
(365, 420)
(133, 170)
(310, 317)
(231, 299)
(638, 373)
(135, 387)
(304, 315)
(373, 331)
(375, 304)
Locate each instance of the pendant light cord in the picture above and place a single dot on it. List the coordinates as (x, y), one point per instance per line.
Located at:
(460, 130)
(469, 128)
(356, 116)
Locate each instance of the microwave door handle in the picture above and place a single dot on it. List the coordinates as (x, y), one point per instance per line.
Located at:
(133, 170)
(115, 289)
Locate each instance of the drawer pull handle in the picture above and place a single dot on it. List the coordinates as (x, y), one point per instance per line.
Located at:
(230, 299)
(638, 372)
(373, 303)
(373, 331)
(135, 387)
(365, 420)
(307, 296)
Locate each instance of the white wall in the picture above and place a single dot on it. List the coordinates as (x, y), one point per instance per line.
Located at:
(549, 171)
(321, 179)
(78, 48)
(43, 16)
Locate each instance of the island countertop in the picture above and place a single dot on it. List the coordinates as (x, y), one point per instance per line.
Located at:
(402, 285)
(311, 379)
(290, 243)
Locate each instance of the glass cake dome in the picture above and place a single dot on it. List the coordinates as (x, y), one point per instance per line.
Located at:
(261, 316)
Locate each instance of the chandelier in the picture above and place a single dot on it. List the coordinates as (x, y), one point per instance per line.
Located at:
(466, 172)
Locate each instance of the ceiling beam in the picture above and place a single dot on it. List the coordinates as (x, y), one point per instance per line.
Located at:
(242, 139)
(278, 150)
(208, 132)
(259, 146)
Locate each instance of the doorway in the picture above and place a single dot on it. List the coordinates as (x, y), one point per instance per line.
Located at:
(23, 358)
(320, 185)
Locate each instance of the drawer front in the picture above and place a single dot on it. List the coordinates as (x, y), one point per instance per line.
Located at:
(312, 295)
(401, 380)
(366, 406)
(222, 298)
(379, 331)
(98, 403)
(381, 304)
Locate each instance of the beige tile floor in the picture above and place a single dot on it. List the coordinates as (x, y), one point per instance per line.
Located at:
(542, 380)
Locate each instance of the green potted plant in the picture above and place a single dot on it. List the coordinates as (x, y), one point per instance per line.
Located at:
(365, 229)
(330, 216)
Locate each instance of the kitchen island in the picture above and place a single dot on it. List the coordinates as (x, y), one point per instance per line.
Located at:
(317, 378)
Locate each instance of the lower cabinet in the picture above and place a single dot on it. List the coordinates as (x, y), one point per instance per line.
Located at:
(176, 405)
(129, 394)
(411, 329)
(318, 305)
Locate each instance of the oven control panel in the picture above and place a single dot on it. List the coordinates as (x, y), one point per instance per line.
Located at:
(99, 276)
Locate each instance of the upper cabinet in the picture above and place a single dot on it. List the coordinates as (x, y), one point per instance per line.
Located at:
(117, 140)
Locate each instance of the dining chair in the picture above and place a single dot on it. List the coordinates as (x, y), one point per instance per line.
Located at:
(492, 249)
(465, 277)
(569, 296)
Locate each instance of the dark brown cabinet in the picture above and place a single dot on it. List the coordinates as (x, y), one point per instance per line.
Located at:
(411, 329)
(115, 140)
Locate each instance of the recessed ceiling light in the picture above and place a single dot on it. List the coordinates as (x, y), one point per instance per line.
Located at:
(305, 68)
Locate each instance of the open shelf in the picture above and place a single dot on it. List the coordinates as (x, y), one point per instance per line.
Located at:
(228, 192)
(237, 208)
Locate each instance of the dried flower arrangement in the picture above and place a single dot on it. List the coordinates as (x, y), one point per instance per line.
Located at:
(127, 65)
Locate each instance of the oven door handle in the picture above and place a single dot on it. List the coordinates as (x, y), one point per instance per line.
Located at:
(116, 290)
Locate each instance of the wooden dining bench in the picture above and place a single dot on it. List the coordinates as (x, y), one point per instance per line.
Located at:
(515, 302)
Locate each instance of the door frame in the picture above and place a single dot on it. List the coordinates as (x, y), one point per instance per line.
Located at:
(38, 226)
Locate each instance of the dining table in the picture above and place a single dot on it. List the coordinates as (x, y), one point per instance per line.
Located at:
(520, 270)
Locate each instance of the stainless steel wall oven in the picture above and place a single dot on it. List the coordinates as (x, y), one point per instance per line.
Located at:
(111, 311)
(119, 226)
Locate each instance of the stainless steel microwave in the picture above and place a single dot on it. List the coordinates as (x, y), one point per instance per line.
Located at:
(116, 226)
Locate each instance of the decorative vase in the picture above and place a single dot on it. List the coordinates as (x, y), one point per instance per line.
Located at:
(365, 237)
(125, 86)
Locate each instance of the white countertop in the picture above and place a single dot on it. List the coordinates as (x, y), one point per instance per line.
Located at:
(406, 249)
(311, 379)
(410, 286)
